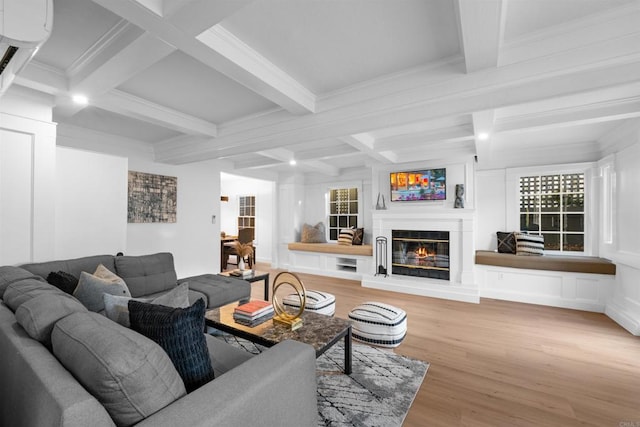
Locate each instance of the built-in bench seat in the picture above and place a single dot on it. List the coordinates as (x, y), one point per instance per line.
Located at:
(578, 282)
(575, 264)
(331, 259)
(332, 248)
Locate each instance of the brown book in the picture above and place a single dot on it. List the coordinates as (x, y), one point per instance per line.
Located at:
(254, 308)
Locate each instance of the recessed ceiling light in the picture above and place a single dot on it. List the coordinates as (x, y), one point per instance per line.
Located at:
(80, 99)
(483, 136)
(292, 162)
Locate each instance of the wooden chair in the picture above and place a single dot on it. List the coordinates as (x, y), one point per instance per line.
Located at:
(245, 235)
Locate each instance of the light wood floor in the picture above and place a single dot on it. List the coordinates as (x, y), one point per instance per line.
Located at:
(501, 363)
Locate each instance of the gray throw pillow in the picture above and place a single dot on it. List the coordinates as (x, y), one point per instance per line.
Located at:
(116, 307)
(313, 234)
(39, 315)
(129, 374)
(91, 288)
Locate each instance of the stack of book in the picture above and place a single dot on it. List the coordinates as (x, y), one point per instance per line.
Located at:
(253, 313)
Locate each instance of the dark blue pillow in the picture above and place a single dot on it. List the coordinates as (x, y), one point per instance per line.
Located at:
(64, 281)
(180, 332)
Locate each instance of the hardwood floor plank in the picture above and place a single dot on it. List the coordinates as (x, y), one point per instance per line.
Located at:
(501, 363)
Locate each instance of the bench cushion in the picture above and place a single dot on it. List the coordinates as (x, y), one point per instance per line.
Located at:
(332, 248)
(576, 264)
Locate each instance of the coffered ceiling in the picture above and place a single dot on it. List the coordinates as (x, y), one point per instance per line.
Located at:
(344, 84)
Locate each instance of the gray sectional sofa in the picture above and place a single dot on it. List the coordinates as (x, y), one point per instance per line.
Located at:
(54, 351)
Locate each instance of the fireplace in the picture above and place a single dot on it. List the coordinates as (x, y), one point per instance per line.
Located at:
(420, 253)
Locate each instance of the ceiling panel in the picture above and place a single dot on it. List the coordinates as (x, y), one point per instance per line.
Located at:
(328, 45)
(77, 25)
(182, 83)
(527, 16)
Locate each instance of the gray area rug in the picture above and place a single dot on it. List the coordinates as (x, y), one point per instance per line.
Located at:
(378, 393)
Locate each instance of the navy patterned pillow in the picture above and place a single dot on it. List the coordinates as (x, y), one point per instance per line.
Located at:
(64, 281)
(180, 332)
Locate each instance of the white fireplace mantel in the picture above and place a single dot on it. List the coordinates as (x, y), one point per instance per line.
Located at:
(460, 223)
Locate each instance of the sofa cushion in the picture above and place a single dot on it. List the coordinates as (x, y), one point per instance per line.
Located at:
(10, 274)
(91, 288)
(147, 274)
(72, 266)
(217, 290)
(128, 373)
(180, 332)
(358, 236)
(313, 233)
(345, 237)
(529, 244)
(21, 291)
(64, 281)
(39, 315)
(506, 242)
(116, 307)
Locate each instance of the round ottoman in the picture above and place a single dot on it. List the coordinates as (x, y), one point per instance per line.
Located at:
(317, 302)
(378, 324)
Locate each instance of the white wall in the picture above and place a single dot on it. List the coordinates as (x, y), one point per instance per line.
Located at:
(194, 239)
(624, 247)
(27, 177)
(491, 207)
(235, 186)
(91, 203)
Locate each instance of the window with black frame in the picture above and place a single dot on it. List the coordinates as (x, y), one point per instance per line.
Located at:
(343, 210)
(554, 206)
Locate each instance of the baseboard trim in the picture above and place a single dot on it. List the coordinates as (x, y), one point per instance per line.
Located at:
(619, 315)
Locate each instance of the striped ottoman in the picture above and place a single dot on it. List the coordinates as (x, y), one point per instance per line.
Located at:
(317, 302)
(378, 324)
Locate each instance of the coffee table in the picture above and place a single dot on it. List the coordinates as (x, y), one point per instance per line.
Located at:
(319, 331)
(255, 276)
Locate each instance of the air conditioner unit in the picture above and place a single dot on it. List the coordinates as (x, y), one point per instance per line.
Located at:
(24, 26)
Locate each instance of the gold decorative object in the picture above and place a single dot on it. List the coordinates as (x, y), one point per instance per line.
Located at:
(281, 316)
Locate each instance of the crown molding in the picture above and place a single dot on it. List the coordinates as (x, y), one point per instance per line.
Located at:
(122, 32)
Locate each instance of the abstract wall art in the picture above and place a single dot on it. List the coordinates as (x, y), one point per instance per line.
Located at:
(152, 198)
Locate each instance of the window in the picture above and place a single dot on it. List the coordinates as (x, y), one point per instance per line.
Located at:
(246, 212)
(343, 210)
(553, 205)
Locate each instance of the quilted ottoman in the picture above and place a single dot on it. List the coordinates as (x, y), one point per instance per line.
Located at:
(317, 302)
(378, 324)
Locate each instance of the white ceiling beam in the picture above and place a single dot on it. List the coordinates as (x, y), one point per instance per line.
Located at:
(481, 25)
(573, 116)
(365, 143)
(280, 154)
(260, 75)
(483, 122)
(616, 66)
(442, 136)
(129, 105)
(319, 166)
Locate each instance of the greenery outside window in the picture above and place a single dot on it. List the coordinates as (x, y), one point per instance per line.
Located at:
(343, 210)
(554, 206)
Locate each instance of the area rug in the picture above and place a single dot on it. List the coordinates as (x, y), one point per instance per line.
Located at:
(378, 393)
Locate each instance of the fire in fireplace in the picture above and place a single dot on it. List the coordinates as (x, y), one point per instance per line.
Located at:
(420, 253)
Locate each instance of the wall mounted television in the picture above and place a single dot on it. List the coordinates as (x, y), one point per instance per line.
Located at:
(419, 185)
